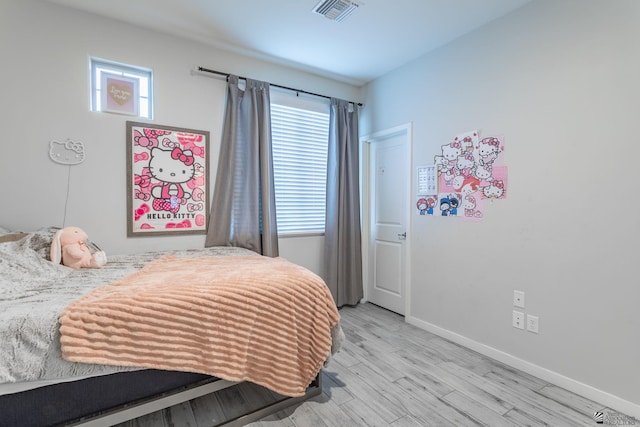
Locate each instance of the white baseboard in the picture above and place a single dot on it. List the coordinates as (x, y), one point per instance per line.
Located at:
(609, 400)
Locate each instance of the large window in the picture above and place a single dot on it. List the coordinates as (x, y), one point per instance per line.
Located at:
(300, 134)
(143, 76)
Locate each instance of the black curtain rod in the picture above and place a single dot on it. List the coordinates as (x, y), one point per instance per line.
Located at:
(207, 70)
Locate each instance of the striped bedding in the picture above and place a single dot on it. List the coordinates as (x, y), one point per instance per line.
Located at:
(252, 318)
(33, 294)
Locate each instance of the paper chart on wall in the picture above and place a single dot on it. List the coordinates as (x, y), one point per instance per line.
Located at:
(427, 180)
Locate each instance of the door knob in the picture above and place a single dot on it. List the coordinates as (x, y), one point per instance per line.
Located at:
(402, 236)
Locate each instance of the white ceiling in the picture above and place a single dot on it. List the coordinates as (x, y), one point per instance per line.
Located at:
(378, 37)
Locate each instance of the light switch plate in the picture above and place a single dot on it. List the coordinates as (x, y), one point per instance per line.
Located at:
(533, 323)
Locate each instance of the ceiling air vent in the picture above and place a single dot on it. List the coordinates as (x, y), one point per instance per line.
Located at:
(336, 10)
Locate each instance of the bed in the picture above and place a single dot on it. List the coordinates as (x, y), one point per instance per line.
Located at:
(106, 372)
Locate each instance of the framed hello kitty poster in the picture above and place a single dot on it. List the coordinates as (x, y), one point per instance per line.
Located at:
(167, 178)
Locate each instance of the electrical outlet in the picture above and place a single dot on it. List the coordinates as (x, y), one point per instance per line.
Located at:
(518, 319)
(518, 299)
(532, 323)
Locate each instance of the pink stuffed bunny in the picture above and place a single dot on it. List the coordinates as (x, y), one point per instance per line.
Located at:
(69, 246)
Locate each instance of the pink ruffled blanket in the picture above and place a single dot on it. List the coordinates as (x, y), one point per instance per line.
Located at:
(252, 318)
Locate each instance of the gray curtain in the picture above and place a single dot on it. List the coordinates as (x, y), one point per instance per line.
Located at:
(243, 209)
(343, 253)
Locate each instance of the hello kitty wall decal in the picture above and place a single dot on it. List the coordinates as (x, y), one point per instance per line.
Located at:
(167, 180)
(68, 152)
(468, 171)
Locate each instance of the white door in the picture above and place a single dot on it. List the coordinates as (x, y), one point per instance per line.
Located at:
(389, 185)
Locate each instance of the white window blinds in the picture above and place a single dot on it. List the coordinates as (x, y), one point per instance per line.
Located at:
(300, 133)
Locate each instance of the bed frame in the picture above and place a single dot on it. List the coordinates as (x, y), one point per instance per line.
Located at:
(111, 399)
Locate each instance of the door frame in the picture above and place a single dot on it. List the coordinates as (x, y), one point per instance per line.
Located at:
(366, 203)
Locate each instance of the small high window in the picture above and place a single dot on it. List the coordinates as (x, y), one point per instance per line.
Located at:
(120, 88)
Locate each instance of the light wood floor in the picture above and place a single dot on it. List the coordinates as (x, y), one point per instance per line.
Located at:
(390, 373)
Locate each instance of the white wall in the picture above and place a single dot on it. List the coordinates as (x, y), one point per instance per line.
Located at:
(45, 52)
(560, 79)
